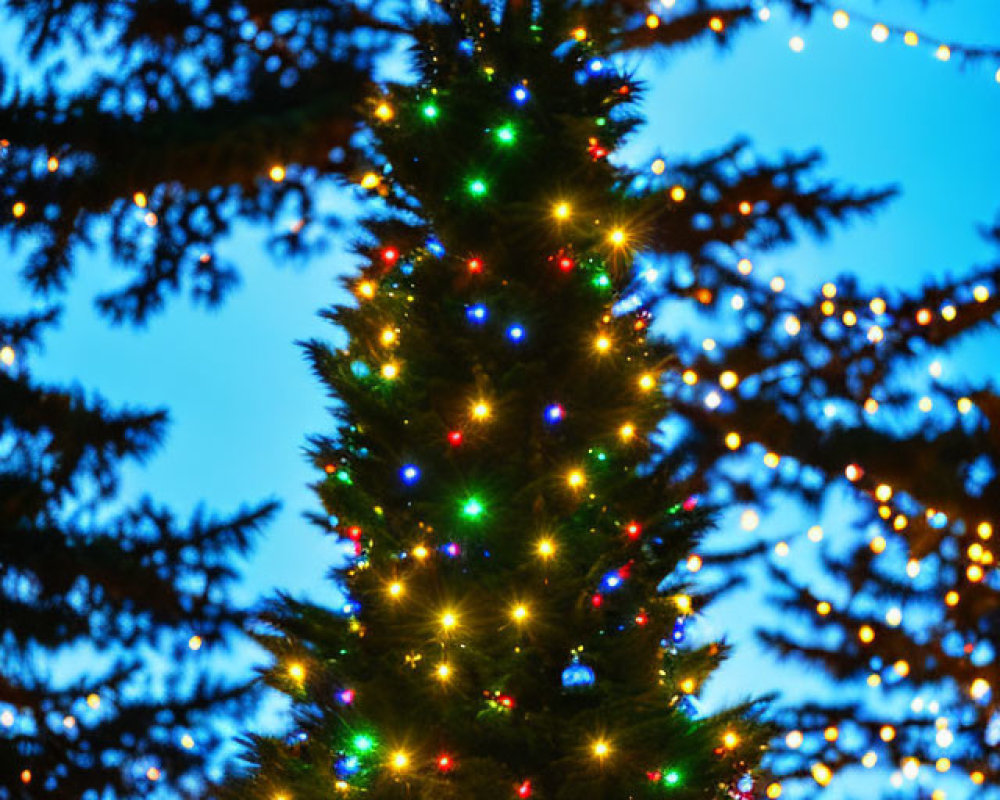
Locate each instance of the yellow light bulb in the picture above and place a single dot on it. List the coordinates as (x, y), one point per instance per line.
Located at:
(420, 552)
(887, 733)
(866, 634)
(519, 613)
(388, 336)
(187, 741)
(575, 479)
(384, 112)
(296, 671)
(19, 209)
(580, 34)
(370, 180)
(733, 440)
(659, 166)
(821, 774)
(602, 344)
(601, 749)
(562, 211)
(880, 33)
(626, 431)
(366, 289)
(730, 740)
(677, 194)
(910, 38)
(841, 19)
(647, 382)
(546, 548)
(448, 620)
(443, 672)
(396, 589)
(277, 173)
(688, 685)
(390, 371)
(400, 760)
(481, 411)
(618, 237)
(729, 380)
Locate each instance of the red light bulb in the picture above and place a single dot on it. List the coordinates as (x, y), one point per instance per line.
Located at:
(390, 255)
(455, 438)
(524, 790)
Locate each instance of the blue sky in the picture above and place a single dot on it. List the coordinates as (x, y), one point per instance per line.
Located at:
(242, 400)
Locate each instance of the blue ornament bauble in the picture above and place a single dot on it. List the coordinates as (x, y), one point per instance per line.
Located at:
(578, 676)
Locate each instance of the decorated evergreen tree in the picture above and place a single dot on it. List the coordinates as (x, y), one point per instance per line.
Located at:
(102, 605)
(514, 622)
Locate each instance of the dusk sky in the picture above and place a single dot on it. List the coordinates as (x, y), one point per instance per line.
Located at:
(242, 400)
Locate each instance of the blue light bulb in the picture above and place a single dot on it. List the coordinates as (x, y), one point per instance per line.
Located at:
(554, 413)
(477, 313)
(520, 95)
(596, 66)
(515, 333)
(410, 474)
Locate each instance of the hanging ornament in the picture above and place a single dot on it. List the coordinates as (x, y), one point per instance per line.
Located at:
(578, 675)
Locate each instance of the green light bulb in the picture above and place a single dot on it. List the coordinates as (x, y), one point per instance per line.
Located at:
(478, 187)
(430, 111)
(472, 508)
(506, 134)
(672, 778)
(602, 281)
(363, 743)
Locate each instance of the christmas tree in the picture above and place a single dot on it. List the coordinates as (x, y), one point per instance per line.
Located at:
(514, 621)
(103, 604)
